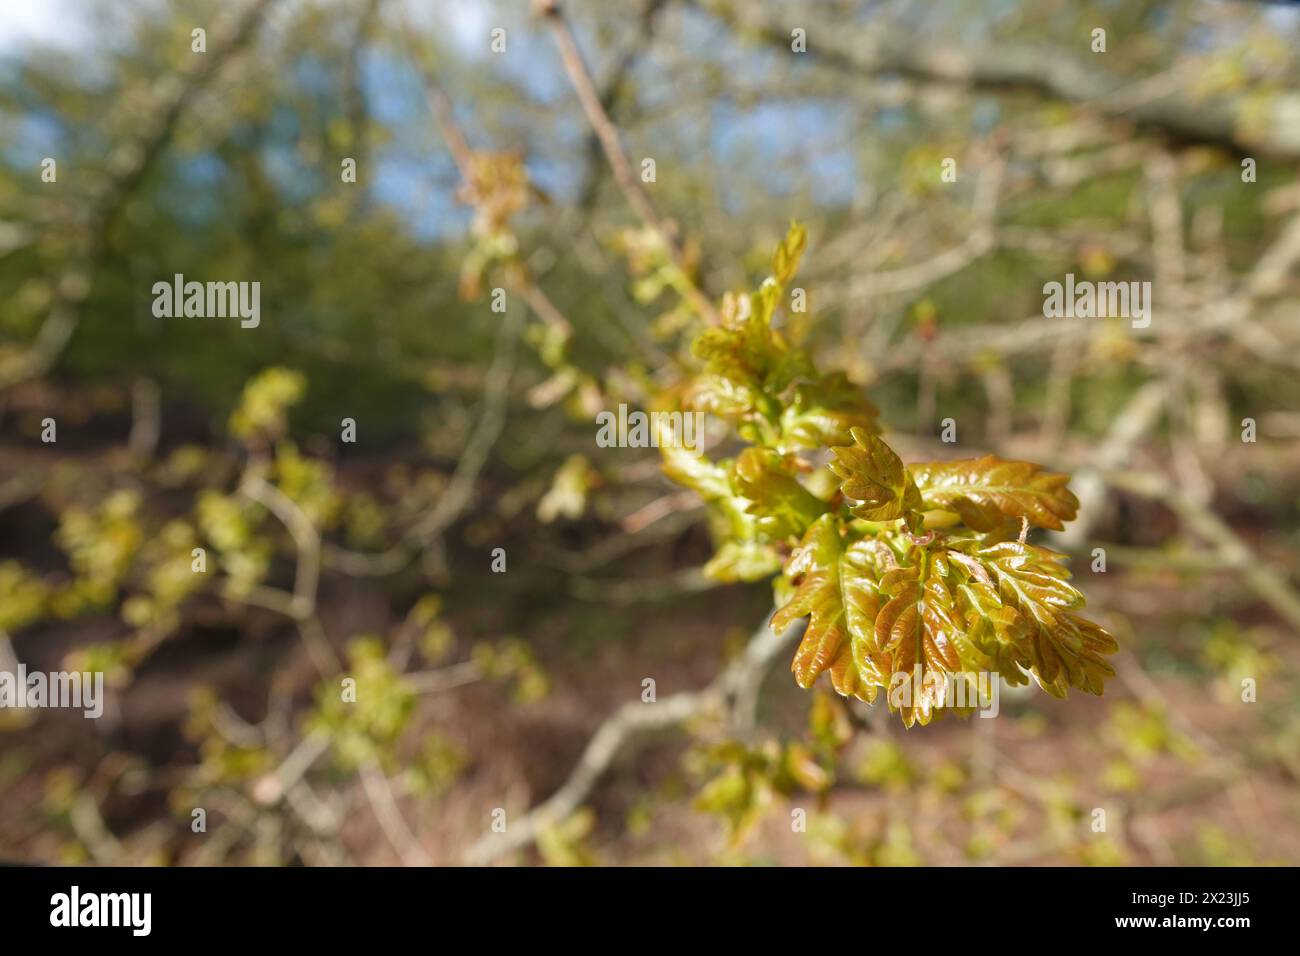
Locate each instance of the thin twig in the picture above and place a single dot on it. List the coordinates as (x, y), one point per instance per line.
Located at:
(619, 164)
(305, 538)
(460, 489)
(1262, 578)
(628, 722)
(384, 805)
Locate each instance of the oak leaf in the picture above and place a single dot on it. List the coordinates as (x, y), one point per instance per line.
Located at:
(986, 492)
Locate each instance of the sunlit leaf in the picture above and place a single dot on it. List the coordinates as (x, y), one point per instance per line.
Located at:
(871, 473)
(987, 491)
(1061, 649)
(917, 632)
(823, 413)
(782, 507)
(836, 589)
(785, 262)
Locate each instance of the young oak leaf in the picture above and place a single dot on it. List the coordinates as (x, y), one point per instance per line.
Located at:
(747, 364)
(917, 633)
(744, 552)
(882, 602)
(785, 262)
(824, 412)
(731, 384)
(782, 507)
(1030, 578)
(736, 357)
(695, 471)
(836, 590)
(1061, 649)
(742, 555)
(744, 560)
(870, 472)
(996, 633)
(739, 795)
(1073, 654)
(985, 492)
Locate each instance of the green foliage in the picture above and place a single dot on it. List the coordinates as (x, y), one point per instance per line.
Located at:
(912, 577)
(266, 400)
(896, 565)
(363, 730)
(513, 661)
(567, 497)
(100, 544)
(564, 844)
(23, 596)
(984, 492)
(751, 777)
(871, 473)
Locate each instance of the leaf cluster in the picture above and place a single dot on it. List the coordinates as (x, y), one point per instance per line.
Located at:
(917, 580)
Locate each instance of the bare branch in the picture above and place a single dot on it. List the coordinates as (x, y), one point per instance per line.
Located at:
(1157, 103)
(619, 163)
(305, 538)
(1259, 575)
(628, 722)
(384, 805)
(460, 490)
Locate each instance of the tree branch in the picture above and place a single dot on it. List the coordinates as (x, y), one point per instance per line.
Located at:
(628, 722)
(127, 166)
(1050, 73)
(619, 164)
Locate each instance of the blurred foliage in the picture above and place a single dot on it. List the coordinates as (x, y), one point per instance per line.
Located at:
(228, 561)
